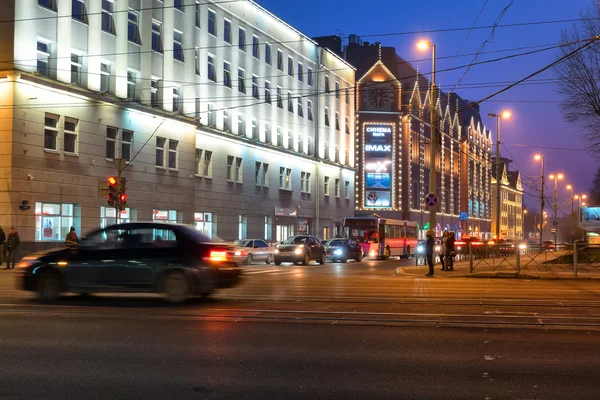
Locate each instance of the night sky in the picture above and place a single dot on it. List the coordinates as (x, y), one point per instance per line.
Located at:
(536, 121)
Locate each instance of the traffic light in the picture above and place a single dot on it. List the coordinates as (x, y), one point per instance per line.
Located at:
(113, 195)
(122, 190)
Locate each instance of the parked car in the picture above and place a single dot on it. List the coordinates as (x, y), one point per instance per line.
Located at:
(172, 259)
(253, 250)
(300, 249)
(342, 249)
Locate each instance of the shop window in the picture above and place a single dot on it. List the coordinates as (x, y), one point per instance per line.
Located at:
(53, 221)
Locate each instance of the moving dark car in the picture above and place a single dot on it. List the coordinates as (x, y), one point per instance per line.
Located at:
(300, 249)
(135, 257)
(342, 249)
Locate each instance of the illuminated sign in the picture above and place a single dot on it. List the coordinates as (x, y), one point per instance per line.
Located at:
(377, 173)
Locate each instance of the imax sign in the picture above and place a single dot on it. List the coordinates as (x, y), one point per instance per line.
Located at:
(378, 147)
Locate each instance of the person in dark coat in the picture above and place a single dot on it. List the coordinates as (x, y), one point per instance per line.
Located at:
(449, 252)
(443, 250)
(12, 244)
(429, 246)
(3, 250)
(71, 240)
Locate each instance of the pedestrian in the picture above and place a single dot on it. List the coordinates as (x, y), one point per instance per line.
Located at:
(12, 243)
(2, 246)
(450, 251)
(71, 240)
(429, 246)
(443, 249)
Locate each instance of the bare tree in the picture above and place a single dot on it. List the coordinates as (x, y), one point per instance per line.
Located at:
(579, 76)
(595, 189)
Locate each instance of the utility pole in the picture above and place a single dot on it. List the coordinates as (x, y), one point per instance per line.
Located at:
(434, 143)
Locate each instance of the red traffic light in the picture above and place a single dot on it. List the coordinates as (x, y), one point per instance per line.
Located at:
(123, 198)
(112, 180)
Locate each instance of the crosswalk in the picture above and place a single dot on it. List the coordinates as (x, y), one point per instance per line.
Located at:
(279, 270)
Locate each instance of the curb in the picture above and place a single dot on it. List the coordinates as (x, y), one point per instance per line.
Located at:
(504, 275)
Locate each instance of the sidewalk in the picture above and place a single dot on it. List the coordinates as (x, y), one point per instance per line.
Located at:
(506, 269)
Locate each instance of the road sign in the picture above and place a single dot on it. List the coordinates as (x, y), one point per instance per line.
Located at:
(555, 223)
(102, 188)
(463, 216)
(431, 200)
(553, 231)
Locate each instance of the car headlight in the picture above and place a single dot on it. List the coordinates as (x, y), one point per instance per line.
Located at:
(522, 246)
(419, 248)
(338, 252)
(276, 251)
(372, 253)
(27, 262)
(299, 249)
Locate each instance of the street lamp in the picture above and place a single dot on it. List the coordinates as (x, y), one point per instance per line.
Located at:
(556, 178)
(539, 157)
(503, 114)
(581, 198)
(570, 187)
(523, 224)
(424, 45)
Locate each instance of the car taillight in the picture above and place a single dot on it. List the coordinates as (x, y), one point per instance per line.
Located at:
(218, 256)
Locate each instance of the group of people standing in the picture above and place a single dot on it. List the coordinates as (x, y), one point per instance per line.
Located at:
(8, 247)
(447, 250)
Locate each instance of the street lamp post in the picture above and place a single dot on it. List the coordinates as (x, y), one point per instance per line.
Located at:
(504, 114)
(540, 157)
(581, 198)
(555, 205)
(570, 187)
(435, 140)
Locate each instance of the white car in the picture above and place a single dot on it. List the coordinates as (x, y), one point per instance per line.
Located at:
(254, 250)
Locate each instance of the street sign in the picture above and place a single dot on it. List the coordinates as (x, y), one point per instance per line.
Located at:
(553, 231)
(555, 223)
(102, 188)
(24, 208)
(431, 200)
(463, 216)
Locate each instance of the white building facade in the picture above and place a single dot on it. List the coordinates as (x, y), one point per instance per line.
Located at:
(228, 118)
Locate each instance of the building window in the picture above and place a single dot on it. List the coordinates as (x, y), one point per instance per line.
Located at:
(309, 76)
(76, 68)
(268, 92)
(177, 45)
(347, 190)
(257, 173)
(70, 135)
(212, 22)
(290, 140)
(230, 161)
(285, 178)
(212, 73)
(126, 144)
(173, 144)
(337, 90)
(254, 128)
(242, 223)
(279, 98)
(168, 216)
(279, 138)
(78, 11)
(265, 175)
(108, 23)
(290, 66)
(104, 78)
(43, 55)
(160, 151)
(205, 223)
(111, 141)
(268, 228)
(154, 102)
(326, 149)
(241, 125)
(198, 15)
(176, 100)
(241, 81)
(131, 81)
(290, 103)
(226, 125)
(326, 116)
(212, 116)
(197, 60)
(300, 72)
(50, 4)
(300, 111)
(279, 60)
(177, 4)
(198, 162)
(242, 39)
(327, 84)
(226, 74)
(305, 182)
(133, 30)
(309, 110)
(347, 96)
(50, 132)
(108, 216)
(227, 31)
(255, 48)
(239, 172)
(268, 53)
(207, 164)
(347, 125)
(53, 220)
(337, 121)
(156, 37)
(336, 188)
(326, 186)
(299, 144)
(268, 133)
(255, 87)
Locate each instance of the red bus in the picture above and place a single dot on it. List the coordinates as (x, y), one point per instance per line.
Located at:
(381, 238)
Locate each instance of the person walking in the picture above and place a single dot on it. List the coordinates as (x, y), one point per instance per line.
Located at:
(71, 240)
(429, 246)
(443, 249)
(12, 243)
(450, 251)
(2, 246)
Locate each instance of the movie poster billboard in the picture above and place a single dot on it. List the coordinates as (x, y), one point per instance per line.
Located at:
(378, 155)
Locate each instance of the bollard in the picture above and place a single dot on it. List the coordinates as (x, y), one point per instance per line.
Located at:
(575, 258)
(470, 258)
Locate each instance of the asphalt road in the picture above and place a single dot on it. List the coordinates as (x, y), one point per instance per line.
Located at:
(333, 331)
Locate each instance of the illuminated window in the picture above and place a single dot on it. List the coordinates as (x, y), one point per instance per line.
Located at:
(50, 132)
(285, 178)
(168, 216)
(54, 220)
(205, 223)
(156, 37)
(71, 135)
(242, 224)
(268, 227)
(108, 216)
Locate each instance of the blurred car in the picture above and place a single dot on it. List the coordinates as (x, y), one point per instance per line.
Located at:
(253, 250)
(172, 259)
(548, 245)
(342, 250)
(300, 249)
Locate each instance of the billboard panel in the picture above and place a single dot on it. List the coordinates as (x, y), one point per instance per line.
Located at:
(379, 157)
(589, 218)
